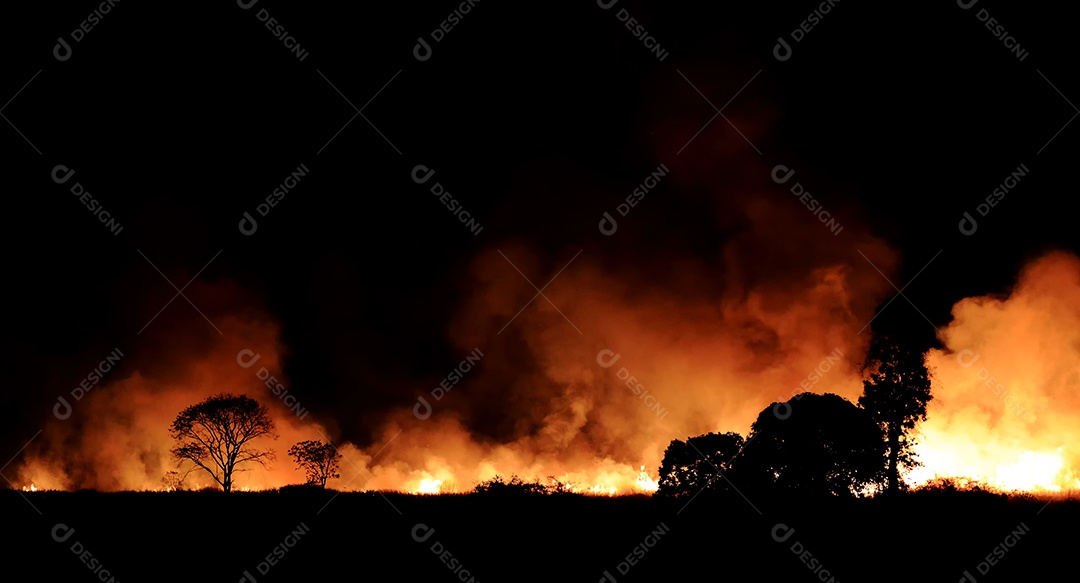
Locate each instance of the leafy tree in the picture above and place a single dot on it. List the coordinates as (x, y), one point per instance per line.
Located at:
(697, 463)
(215, 435)
(318, 460)
(896, 390)
(823, 445)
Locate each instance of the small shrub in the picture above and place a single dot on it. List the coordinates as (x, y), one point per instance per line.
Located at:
(513, 487)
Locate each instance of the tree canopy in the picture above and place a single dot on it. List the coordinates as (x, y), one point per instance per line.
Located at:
(823, 445)
(318, 460)
(698, 463)
(215, 435)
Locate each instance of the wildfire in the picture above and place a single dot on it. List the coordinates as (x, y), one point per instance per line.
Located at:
(602, 490)
(1033, 471)
(607, 483)
(1005, 406)
(1003, 414)
(646, 483)
(429, 486)
(1026, 471)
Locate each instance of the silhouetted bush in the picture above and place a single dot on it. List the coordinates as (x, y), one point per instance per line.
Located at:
(301, 489)
(514, 487)
(698, 463)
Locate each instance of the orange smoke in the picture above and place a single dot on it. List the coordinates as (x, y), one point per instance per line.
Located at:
(116, 437)
(587, 385)
(702, 349)
(1005, 401)
(640, 340)
(664, 351)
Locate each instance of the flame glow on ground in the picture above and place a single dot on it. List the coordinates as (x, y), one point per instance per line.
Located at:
(1032, 471)
(644, 483)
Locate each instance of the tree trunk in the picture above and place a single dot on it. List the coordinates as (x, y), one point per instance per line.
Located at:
(894, 458)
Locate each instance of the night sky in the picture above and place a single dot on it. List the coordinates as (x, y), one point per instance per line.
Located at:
(537, 119)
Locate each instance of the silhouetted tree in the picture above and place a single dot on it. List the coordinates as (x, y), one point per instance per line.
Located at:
(215, 435)
(896, 389)
(698, 463)
(172, 480)
(820, 444)
(318, 460)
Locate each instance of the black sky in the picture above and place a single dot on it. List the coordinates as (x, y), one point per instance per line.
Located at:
(538, 118)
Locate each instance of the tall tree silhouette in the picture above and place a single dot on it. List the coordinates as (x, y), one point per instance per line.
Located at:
(896, 390)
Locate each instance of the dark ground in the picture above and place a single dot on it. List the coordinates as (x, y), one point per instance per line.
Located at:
(208, 536)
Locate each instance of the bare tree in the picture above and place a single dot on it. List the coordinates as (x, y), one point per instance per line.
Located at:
(214, 435)
(319, 460)
(173, 481)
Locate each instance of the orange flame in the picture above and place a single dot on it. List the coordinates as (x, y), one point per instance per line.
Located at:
(1005, 404)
